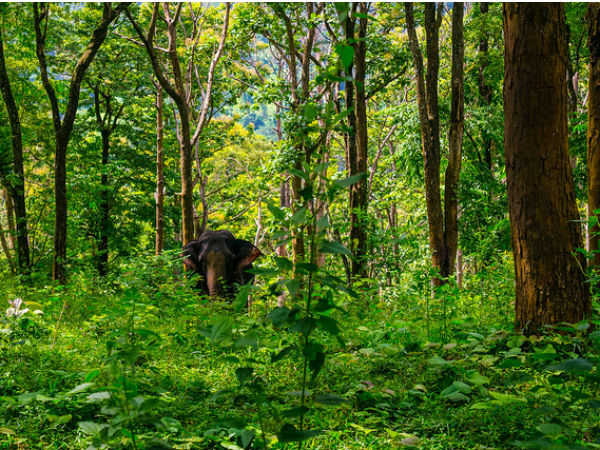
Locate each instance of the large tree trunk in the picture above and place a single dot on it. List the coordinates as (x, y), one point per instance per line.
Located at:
(593, 137)
(545, 231)
(16, 183)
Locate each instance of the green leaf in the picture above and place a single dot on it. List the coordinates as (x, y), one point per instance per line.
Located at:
(508, 363)
(246, 437)
(280, 315)
(294, 412)
(283, 353)
(289, 433)
(477, 379)
(91, 428)
(284, 264)
(306, 268)
(334, 247)
(98, 396)
(549, 429)
(349, 181)
(299, 217)
(304, 325)
(502, 399)
(278, 213)
(241, 298)
(244, 374)
(482, 405)
(310, 111)
(61, 420)
(250, 340)
(456, 397)
(575, 365)
(222, 329)
(307, 193)
(80, 388)
(328, 324)
(330, 399)
(346, 54)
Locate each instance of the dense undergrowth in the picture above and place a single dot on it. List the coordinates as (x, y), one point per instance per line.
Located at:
(140, 361)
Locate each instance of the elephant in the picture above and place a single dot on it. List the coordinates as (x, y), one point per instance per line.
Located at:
(221, 261)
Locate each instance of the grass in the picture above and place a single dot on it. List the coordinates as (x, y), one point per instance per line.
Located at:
(132, 357)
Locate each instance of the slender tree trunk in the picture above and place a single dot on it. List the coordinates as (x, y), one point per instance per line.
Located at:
(455, 137)
(545, 231)
(16, 183)
(160, 177)
(593, 137)
(358, 191)
(485, 90)
(104, 224)
(10, 219)
(427, 98)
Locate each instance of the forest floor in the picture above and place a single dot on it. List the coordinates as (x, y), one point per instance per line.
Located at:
(152, 366)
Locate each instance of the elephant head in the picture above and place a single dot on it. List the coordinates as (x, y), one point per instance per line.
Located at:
(221, 260)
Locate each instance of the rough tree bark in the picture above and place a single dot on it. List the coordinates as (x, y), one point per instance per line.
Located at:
(15, 184)
(63, 123)
(593, 136)
(545, 230)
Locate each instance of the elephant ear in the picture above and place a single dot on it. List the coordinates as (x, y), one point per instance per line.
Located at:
(190, 255)
(245, 253)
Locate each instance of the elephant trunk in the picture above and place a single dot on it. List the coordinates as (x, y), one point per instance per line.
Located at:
(215, 274)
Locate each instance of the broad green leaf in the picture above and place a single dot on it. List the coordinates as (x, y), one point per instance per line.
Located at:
(328, 324)
(294, 412)
(280, 315)
(575, 365)
(289, 433)
(457, 397)
(299, 217)
(61, 420)
(502, 399)
(482, 405)
(91, 428)
(244, 374)
(250, 340)
(334, 247)
(284, 264)
(80, 388)
(98, 396)
(477, 379)
(549, 429)
(283, 353)
(349, 181)
(246, 437)
(222, 329)
(330, 399)
(346, 54)
(278, 213)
